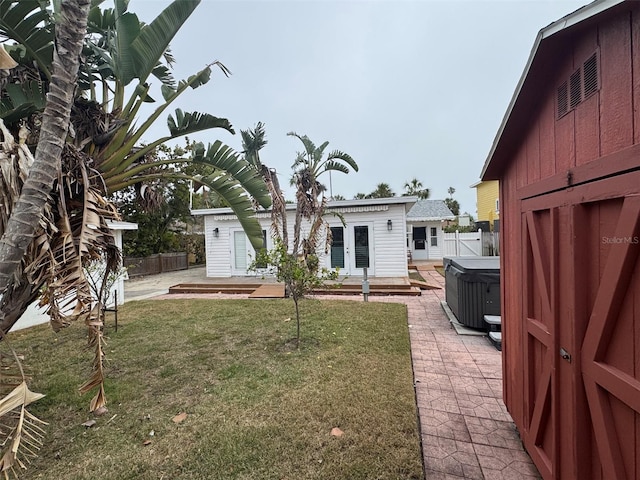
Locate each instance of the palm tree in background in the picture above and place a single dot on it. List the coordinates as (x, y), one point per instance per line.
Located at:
(383, 190)
(414, 188)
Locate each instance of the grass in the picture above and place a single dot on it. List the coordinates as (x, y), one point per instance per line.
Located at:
(415, 275)
(257, 409)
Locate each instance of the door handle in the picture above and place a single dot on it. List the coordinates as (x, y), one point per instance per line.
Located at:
(565, 355)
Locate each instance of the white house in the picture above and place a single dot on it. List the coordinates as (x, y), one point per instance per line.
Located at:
(373, 237)
(424, 229)
(35, 315)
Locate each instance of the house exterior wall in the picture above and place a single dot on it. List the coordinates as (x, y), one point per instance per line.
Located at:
(387, 247)
(487, 196)
(430, 252)
(592, 144)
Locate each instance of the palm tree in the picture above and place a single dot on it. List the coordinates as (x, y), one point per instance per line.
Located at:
(414, 188)
(383, 190)
(309, 165)
(252, 142)
(28, 181)
(101, 155)
(104, 155)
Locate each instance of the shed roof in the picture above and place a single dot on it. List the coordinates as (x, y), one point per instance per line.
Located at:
(407, 201)
(114, 225)
(550, 42)
(429, 210)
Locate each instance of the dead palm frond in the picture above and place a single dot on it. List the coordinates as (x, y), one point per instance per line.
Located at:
(21, 432)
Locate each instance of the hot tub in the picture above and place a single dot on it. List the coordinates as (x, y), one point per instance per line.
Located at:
(472, 288)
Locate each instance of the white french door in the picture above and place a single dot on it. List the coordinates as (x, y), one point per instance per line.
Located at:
(351, 250)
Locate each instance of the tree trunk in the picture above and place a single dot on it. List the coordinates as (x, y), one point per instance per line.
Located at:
(24, 220)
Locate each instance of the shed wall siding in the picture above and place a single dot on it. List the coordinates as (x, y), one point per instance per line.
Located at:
(603, 124)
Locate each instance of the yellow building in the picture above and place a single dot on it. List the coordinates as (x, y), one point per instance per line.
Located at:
(487, 201)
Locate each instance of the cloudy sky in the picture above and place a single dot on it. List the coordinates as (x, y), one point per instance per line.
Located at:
(407, 88)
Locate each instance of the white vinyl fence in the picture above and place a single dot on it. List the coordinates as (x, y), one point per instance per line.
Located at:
(471, 244)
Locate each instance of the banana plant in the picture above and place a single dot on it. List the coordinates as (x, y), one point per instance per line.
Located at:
(307, 167)
(120, 51)
(103, 152)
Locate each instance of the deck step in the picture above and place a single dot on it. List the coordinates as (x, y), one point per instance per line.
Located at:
(213, 288)
(422, 285)
(269, 290)
(276, 290)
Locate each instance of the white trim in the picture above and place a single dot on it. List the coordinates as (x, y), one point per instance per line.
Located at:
(331, 205)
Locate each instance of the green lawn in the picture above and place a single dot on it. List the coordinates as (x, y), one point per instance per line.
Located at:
(256, 408)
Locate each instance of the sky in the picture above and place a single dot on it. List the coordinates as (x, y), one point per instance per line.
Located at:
(407, 88)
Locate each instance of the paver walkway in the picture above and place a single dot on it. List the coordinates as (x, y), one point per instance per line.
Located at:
(466, 430)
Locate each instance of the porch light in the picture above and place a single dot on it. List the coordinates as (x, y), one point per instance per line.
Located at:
(216, 232)
(389, 225)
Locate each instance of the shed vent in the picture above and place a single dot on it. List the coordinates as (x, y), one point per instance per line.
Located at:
(590, 69)
(581, 84)
(574, 88)
(563, 99)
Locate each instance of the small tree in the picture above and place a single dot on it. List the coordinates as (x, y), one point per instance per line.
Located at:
(299, 279)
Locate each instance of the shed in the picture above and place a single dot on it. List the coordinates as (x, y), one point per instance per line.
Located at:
(35, 315)
(373, 236)
(567, 156)
(425, 236)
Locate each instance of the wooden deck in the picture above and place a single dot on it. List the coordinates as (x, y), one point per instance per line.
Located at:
(276, 290)
(268, 290)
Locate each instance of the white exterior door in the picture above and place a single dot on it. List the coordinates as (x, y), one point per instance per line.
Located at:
(361, 248)
(239, 252)
(352, 249)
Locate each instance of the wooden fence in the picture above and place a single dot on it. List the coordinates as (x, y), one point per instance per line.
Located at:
(158, 263)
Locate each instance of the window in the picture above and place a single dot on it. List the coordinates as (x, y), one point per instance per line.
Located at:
(337, 247)
(582, 83)
(419, 238)
(262, 264)
(434, 237)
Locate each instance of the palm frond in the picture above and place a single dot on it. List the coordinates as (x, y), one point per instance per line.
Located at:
(335, 166)
(28, 24)
(309, 146)
(344, 157)
(149, 46)
(21, 433)
(187, 123)
(222, 157)
(128, 29)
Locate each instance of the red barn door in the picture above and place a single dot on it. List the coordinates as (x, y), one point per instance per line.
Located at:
(581, 308)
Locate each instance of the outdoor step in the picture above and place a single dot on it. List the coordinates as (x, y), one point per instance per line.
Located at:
(422, 285)
(496, 339)
(373, 290)
(212, 288)
(269, 290)
(494, 322)
(493, 319)
(276, 289)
